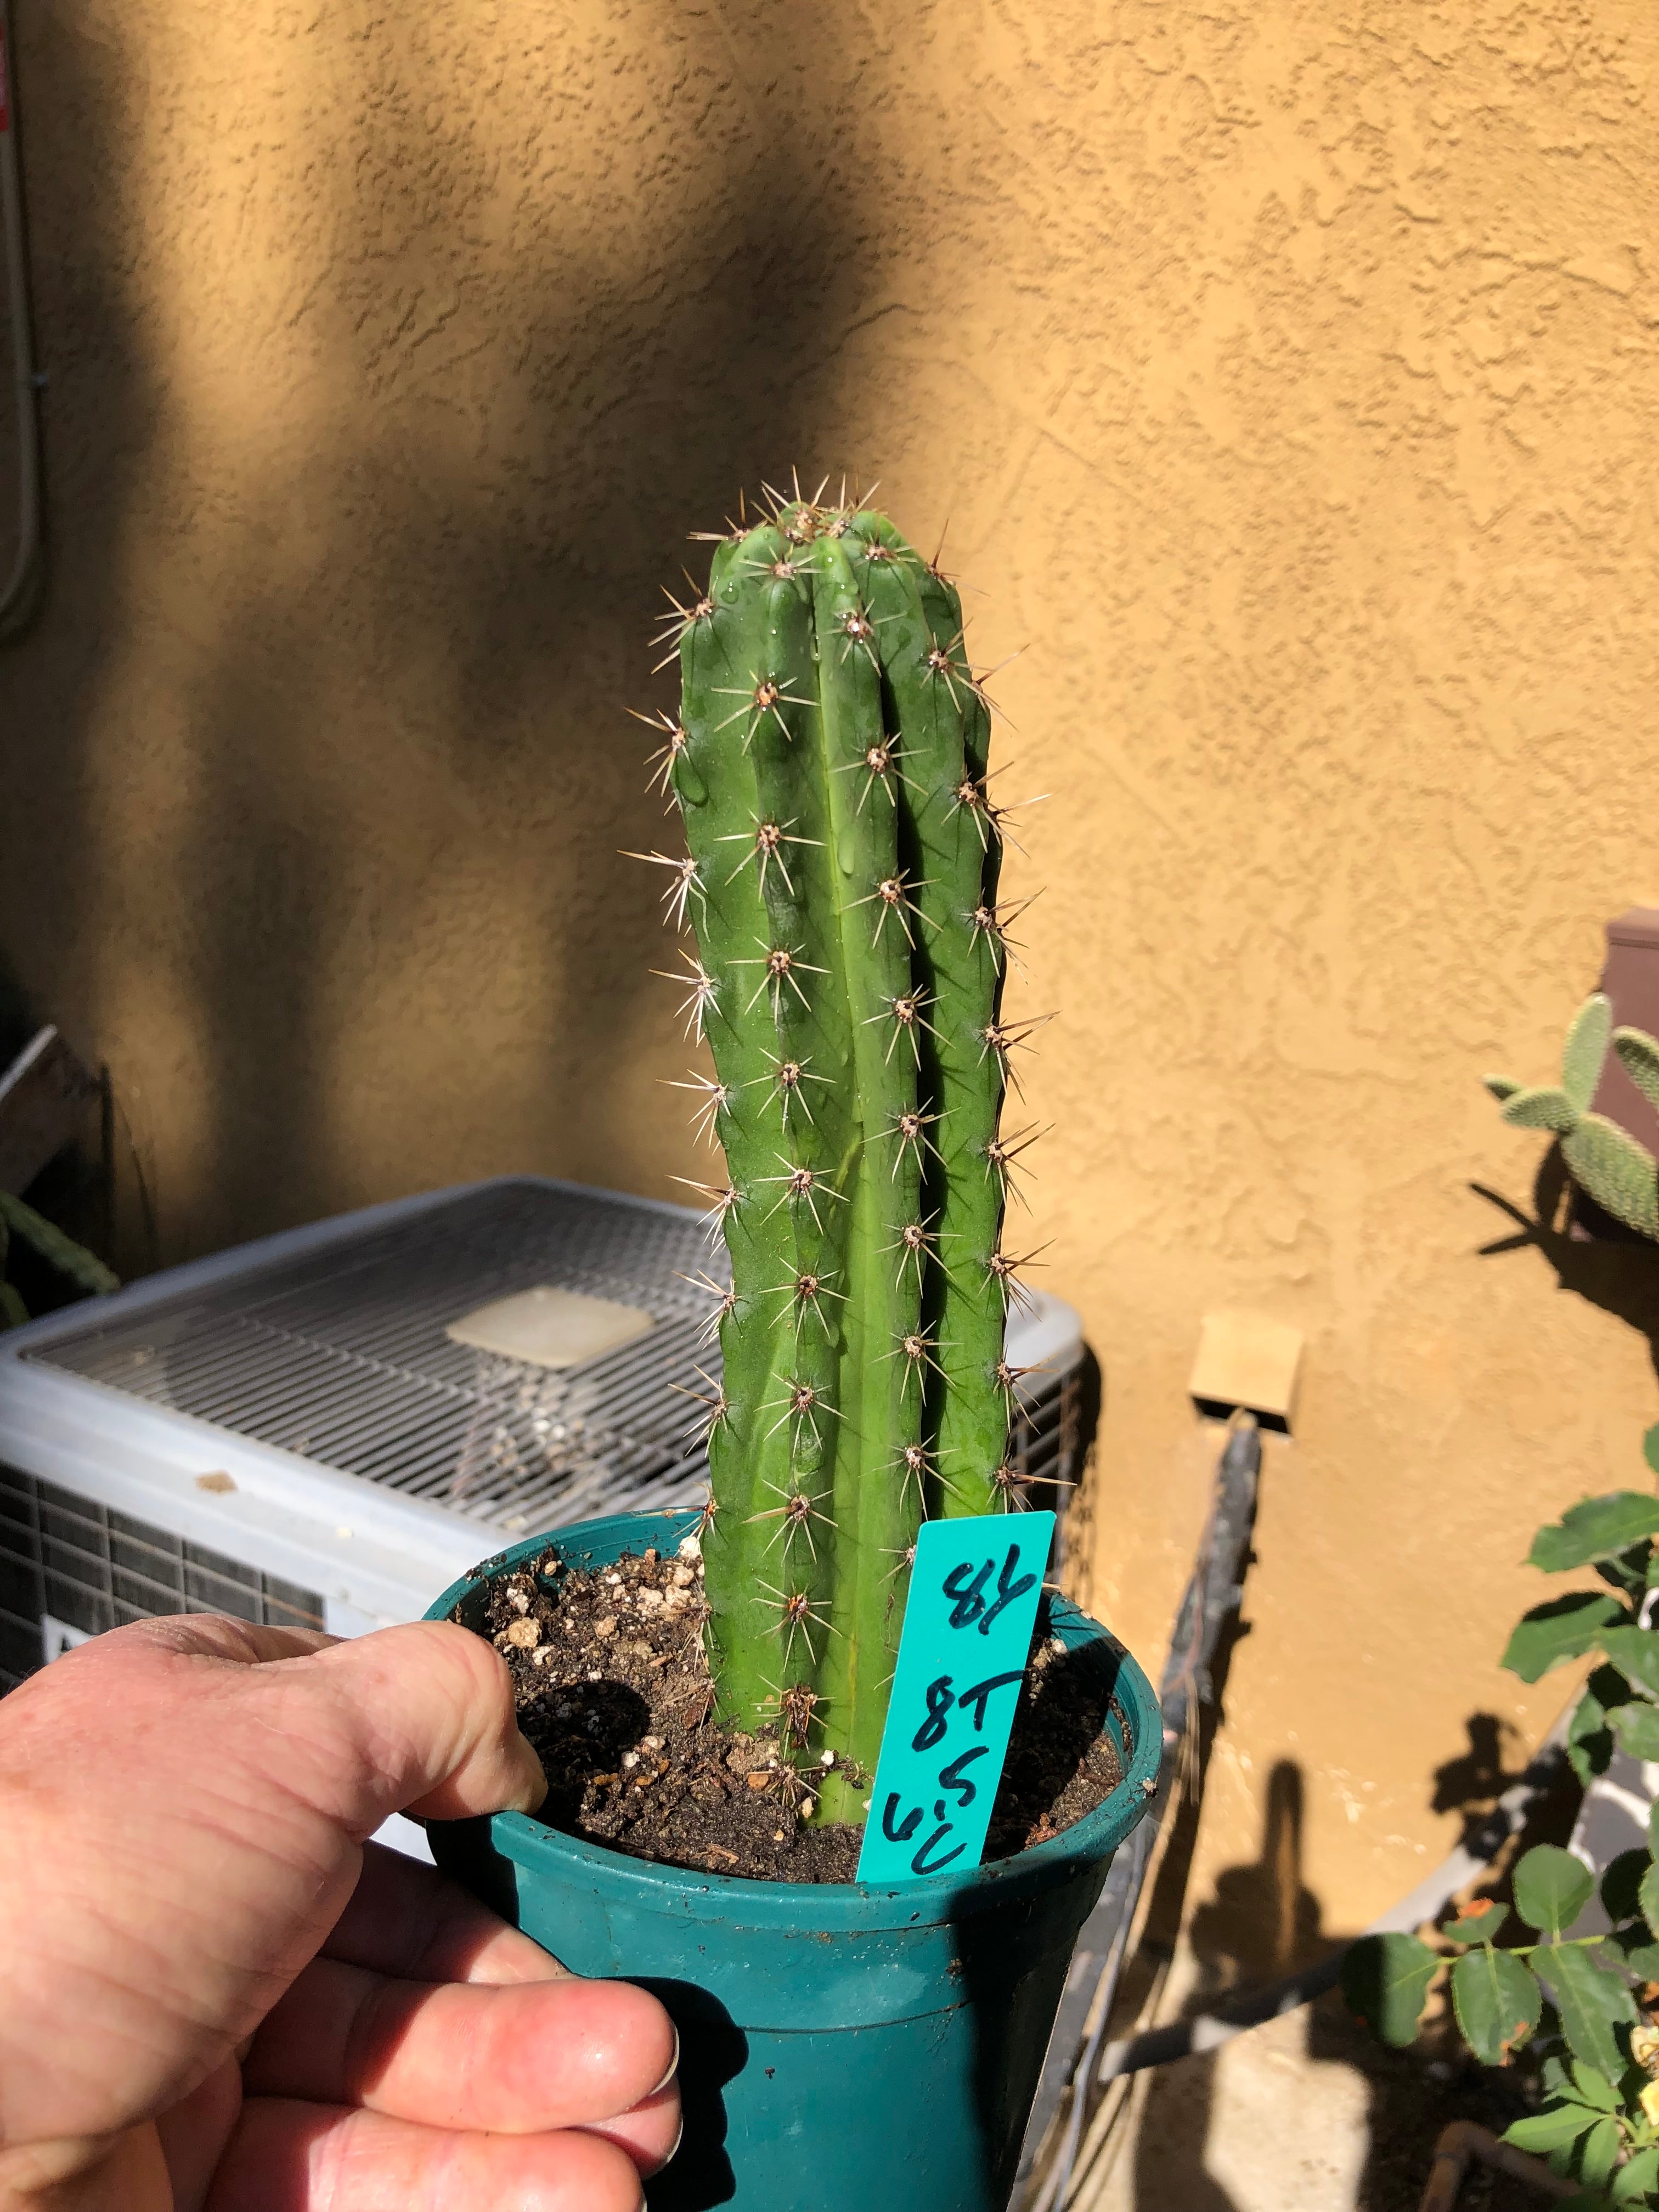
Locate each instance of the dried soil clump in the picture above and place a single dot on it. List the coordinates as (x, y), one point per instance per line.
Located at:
(612, 1689)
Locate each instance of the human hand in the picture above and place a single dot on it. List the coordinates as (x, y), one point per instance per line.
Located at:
(214, 1997)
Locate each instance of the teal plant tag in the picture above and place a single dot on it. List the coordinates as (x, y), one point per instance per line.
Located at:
(974, 1591)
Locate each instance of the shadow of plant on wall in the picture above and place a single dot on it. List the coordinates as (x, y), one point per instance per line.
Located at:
(1310, 2109)
(1471, 1784)
(320, 768)
(1618, 1271)
(1260, 1922)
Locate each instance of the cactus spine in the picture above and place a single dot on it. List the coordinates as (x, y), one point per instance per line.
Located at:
(830, 765)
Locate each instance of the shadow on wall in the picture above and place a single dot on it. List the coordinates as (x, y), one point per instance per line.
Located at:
(1471, 1784)
(1620, 1276)
(1261, 1923)
(327, 763)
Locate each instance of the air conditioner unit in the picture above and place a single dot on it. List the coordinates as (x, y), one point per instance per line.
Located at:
(325, 1428)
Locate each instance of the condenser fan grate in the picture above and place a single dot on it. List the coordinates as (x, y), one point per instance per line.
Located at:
(344, 1417)
(341, 1356)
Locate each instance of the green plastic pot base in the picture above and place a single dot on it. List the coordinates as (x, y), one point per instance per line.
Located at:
(843, 2048)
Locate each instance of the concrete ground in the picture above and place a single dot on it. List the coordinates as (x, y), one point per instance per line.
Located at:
(1304, 2114)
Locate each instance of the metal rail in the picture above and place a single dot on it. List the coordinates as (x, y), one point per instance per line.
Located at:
(1209, 1603)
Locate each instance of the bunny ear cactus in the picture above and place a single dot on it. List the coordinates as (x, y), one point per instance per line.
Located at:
(830, 765)
(1620, 1175)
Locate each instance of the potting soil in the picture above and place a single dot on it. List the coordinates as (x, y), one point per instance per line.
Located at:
(613, 1690)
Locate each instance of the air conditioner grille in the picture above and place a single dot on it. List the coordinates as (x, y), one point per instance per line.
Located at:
(64, 1559)
(338, 1353)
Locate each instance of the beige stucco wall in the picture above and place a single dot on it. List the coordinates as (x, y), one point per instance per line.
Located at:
(1286, 377)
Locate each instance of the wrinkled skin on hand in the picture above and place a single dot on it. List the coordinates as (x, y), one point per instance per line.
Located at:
(215, 1997)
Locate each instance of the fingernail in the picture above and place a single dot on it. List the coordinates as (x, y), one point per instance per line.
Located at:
(679, 2137)
(673, 2069)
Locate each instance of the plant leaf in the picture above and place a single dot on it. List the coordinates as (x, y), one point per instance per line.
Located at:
(1638, 1056)
(1594, 2088)
(1551, 1888)
(1480, 1922)
(1564, 1628)
(1497, 2002)
(1650, 1447)
(1621, 1884)
(1648, 1893)
(1628, 1571)
(58, 1250)
(1640, 1951)
(1501, 1086)
(1385, 1982)
(1637, 1727)
(1585, 1048)
(1541, 1107)
(1635, 1652)
(1594, 1528)
(1589, 2000)
(1590, 1740)
(1598, 2153)
(1637, 2178)
(1553, 2129)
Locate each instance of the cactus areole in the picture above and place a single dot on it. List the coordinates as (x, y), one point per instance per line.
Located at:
(829, 764)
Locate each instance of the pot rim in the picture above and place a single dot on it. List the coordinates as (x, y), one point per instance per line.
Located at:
(838, 1904)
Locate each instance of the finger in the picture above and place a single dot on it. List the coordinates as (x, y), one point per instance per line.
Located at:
(87, 2174)
(522, 2059)
(290, 2157)
(240, 1789)
(427, 1716)
(408, 1919)
(650, 2134)
(194, 2133)
(215, 1636)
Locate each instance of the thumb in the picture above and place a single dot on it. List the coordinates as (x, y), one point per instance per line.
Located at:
(424, 1715)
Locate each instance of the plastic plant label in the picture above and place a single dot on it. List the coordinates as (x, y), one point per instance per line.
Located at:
(973, 1591)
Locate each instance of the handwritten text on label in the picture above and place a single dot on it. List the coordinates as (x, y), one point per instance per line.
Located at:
(974, 1591)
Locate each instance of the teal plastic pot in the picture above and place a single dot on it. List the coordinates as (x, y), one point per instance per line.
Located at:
(843, 2048)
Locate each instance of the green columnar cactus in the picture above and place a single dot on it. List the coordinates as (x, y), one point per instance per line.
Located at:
(830, 765)
(1618, 1174)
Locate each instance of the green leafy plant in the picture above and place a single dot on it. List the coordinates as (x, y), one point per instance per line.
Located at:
(71, 1260)
(1586, 1999)
(829, 764)
(1619, 1174)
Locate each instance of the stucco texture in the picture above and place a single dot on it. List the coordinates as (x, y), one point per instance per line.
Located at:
(1285, 380)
